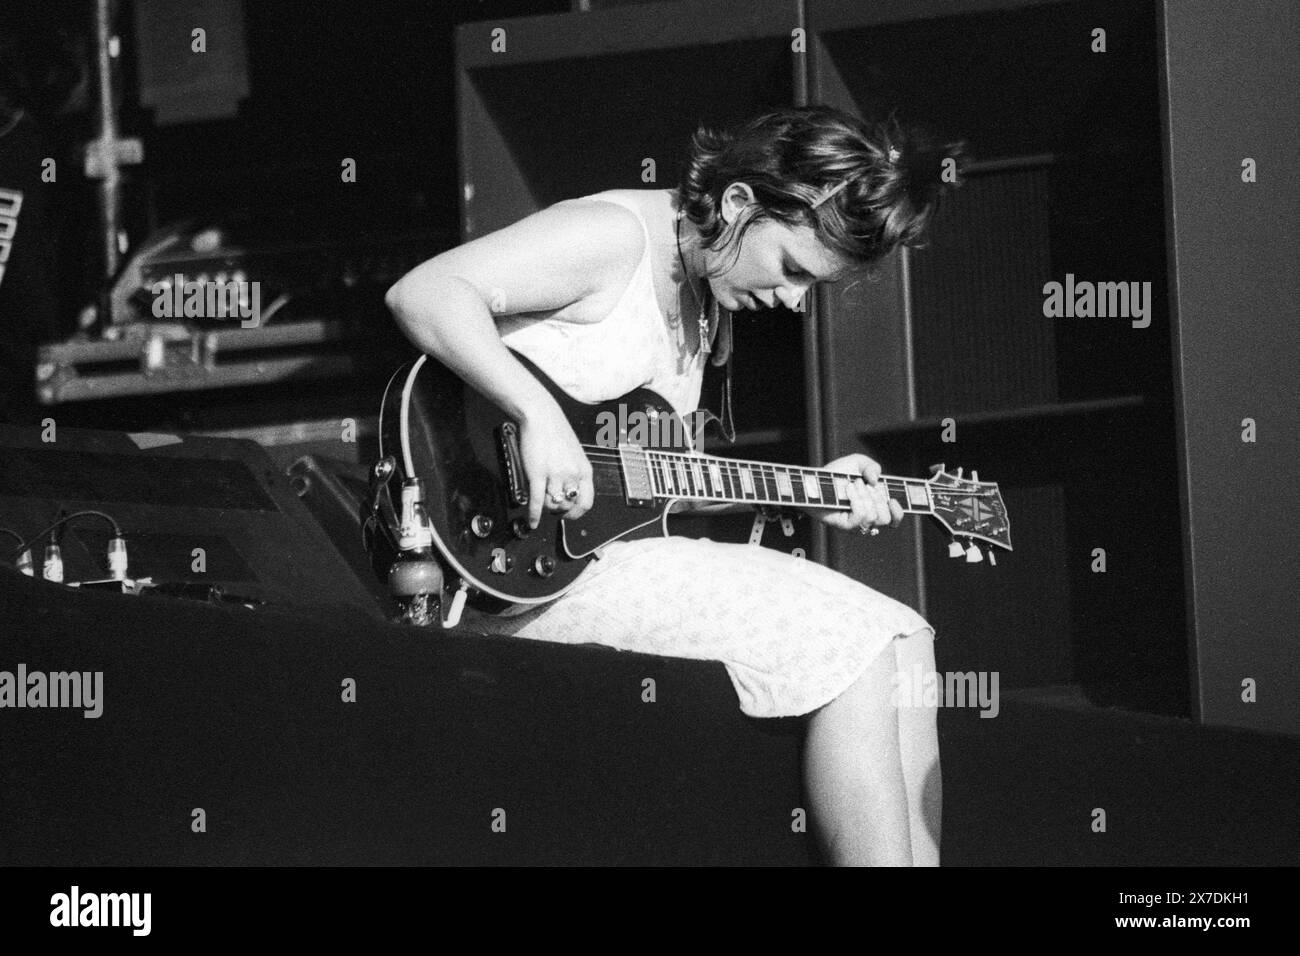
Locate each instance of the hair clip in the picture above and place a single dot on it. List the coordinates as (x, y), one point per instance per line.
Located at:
(831, 192)
(894, 157)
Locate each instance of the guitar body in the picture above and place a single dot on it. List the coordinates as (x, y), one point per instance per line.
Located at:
(460, 444)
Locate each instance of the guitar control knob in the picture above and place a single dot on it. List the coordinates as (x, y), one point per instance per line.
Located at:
(955, 550)
(519, 527)
(544, 566)
(481, 525)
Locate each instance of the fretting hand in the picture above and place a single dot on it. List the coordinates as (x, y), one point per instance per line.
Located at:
(872, 506)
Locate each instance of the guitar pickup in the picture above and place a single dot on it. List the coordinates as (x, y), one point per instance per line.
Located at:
(639, 486)
(512, 463)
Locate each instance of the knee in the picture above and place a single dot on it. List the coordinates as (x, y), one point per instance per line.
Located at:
(916, 647)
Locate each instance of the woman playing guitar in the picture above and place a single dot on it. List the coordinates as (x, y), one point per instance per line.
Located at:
(624, 288)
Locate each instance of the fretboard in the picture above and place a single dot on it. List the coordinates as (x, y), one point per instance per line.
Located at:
(708, 478)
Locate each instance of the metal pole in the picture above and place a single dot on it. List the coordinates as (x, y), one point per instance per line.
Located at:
(110, 186)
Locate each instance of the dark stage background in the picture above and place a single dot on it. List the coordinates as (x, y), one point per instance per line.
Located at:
(1122, 690)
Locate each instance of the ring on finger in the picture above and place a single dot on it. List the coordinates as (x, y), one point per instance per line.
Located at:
(570, 490)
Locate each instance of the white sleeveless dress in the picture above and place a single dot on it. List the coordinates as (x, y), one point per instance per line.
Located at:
(793, 634)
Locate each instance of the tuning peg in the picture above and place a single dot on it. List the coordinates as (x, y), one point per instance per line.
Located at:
(974, 475)
(959, 471)
(973, 554)
(937, 470)
(955, 550)
(992, 560)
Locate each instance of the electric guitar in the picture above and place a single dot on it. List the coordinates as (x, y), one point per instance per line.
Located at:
(467, 452)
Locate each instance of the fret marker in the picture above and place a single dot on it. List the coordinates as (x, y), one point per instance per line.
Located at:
(746, 481)
(681, 477)
(668, 477)
(811, 487)
(918, 495)
(783, 486)
(841, 487)
(715, 475)
(699, 478)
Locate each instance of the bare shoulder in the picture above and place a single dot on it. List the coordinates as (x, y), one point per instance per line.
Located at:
(605, 223)
(586, 231)
(604, 241)
(572, 258)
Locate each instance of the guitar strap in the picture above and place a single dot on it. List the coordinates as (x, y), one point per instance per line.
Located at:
(725, 351)
(726, 422)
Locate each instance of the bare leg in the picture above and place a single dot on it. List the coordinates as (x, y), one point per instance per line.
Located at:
(871, 769)
(854, 774)
(918, 742)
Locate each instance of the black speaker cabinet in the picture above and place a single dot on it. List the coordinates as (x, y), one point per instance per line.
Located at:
(192, 510)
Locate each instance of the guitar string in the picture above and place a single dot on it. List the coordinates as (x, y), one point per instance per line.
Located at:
(616, 458)
(769, 471)
(823, 504)
(605, 457)
(613, 456)
(760, 498)
(892, 485)
(765, 471)
(616, 454)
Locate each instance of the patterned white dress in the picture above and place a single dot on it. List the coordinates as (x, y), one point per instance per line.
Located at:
(792, 633)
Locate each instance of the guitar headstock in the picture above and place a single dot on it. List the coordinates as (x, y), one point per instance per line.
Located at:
(969, 507)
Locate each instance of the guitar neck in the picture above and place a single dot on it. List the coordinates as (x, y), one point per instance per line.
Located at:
(711, 479)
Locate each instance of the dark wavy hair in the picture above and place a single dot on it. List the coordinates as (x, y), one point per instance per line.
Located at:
(791, 156)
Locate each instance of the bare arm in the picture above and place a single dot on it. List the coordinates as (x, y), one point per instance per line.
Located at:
(446, 316)
(564, 255)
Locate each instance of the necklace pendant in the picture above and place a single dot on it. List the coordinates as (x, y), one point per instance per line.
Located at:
(704, 335)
